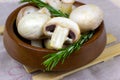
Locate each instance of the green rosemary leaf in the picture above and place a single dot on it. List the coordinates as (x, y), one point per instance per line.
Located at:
(62, 54)
(54, 12)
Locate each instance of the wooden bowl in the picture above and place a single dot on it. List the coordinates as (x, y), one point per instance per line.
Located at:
(20, 49)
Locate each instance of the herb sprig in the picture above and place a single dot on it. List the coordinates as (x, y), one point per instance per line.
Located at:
(54, 12)
(54, 58)
(61, 55)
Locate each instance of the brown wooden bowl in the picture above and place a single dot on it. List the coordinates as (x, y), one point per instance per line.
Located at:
(20, 49)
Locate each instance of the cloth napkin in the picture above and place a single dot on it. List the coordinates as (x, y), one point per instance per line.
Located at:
(109, 70)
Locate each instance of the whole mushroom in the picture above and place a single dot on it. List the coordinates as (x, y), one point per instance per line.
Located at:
(31, 25)
(28, 10)
(24, 11)
(88, 17)
(60, 30)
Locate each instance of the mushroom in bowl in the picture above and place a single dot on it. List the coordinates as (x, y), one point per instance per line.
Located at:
(30, 21)
(88, 17)
(21, 50)
(60, 30)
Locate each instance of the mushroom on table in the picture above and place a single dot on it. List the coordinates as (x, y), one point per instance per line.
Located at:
(60, 30)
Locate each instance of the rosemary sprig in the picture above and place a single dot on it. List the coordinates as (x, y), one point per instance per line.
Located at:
(54, 12)
(54, 58)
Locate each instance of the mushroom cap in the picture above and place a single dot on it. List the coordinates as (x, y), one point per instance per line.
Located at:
(63, 22)
(88, 17)
(24, 11)
(68, 1)
(30, 26)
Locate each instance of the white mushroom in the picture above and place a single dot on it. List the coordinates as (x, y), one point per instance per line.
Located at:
(88, 17)
(36, 43)
(54, 3)
(60, 30)
(28, 10)
(24, 11)
(67, 5)
(31, 25)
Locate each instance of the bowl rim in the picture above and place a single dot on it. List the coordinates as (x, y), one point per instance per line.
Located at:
(10, 30)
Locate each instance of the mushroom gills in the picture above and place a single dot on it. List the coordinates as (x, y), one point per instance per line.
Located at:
(60, 30)
(50, 29)
(70, 38)
(59, 36)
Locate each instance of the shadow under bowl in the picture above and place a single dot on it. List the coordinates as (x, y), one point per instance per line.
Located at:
(20, 49)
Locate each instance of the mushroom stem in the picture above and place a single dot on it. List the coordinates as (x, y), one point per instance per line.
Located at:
(47, 44)
(36, 43)
(59, 36)
(66, 8)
